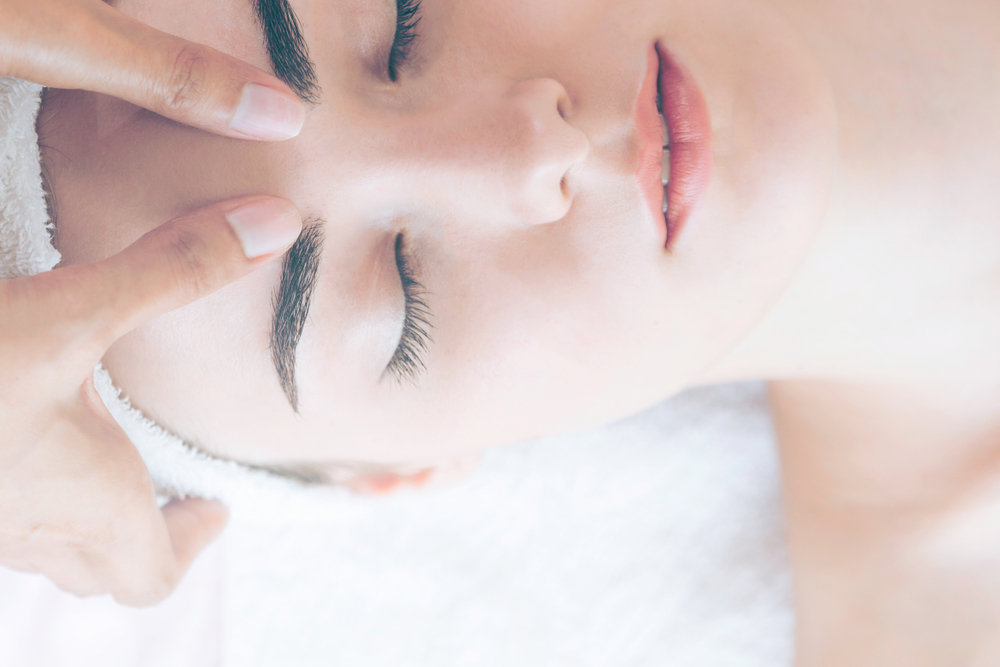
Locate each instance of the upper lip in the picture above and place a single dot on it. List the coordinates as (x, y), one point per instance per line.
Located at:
(688, 122)
(651, 141)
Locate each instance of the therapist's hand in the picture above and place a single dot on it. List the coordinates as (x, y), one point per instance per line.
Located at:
(87, 44)
(76, 501)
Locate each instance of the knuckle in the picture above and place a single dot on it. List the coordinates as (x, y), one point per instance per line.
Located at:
(187, 80)
(96, 539)
(187, 257)
(40, 537)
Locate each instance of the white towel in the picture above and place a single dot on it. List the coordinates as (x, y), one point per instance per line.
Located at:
(25, 247)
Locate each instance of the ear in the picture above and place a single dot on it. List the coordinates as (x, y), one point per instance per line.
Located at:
(380, 484)
(447, 472)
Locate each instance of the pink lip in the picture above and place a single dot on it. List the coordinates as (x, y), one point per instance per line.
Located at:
(690, 138)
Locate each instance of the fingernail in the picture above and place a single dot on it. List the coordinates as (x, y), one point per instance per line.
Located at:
(265, 226)
(265, 113)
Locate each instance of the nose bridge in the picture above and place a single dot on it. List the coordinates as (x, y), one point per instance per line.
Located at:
(509, 151)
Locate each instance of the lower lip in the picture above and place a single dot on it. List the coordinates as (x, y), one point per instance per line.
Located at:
(690, 140)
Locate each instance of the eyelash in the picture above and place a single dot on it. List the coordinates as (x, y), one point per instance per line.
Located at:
(407, 18)
(406, 362)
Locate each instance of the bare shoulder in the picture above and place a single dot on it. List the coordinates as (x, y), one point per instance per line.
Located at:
(893, 505)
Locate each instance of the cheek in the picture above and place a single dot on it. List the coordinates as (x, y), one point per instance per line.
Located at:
(775, 149)
(543, 333)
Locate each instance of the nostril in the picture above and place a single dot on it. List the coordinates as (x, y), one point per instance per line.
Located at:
(563, 105)
(564, 187)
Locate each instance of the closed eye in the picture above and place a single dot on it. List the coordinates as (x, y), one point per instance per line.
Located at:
(407, 361)
(407, 18)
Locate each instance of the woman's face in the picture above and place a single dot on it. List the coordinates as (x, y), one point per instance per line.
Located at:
(506, 154)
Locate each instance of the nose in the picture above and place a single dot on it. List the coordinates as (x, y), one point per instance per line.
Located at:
(541, 149)
(505, 153)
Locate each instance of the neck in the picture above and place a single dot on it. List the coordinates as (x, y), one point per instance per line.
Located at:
(892, 290)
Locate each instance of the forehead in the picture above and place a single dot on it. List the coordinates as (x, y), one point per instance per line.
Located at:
(484, 30)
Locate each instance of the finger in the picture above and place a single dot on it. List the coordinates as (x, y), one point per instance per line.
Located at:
(151, 568)
(74, 575)
(193, 524)
(92, 46)
(180, 262)
(68, 568)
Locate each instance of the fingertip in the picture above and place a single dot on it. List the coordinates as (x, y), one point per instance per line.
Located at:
(264, 225)
(268, 114)
(212, 514)
(193, 83)
(193, 523)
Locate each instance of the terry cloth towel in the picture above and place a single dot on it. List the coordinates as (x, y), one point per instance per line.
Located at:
(177, 469)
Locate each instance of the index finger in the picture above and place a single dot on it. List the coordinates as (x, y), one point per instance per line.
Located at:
(182, 261)
(145, 568)
(92, 46)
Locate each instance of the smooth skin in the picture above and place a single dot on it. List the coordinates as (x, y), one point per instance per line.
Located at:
(846, 249)
(76, 501)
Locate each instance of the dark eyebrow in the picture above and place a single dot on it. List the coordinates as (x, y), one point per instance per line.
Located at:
(292, 298)
(287, 49)
(289, 56)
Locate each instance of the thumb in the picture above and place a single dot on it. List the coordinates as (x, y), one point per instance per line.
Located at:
(182, 261)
